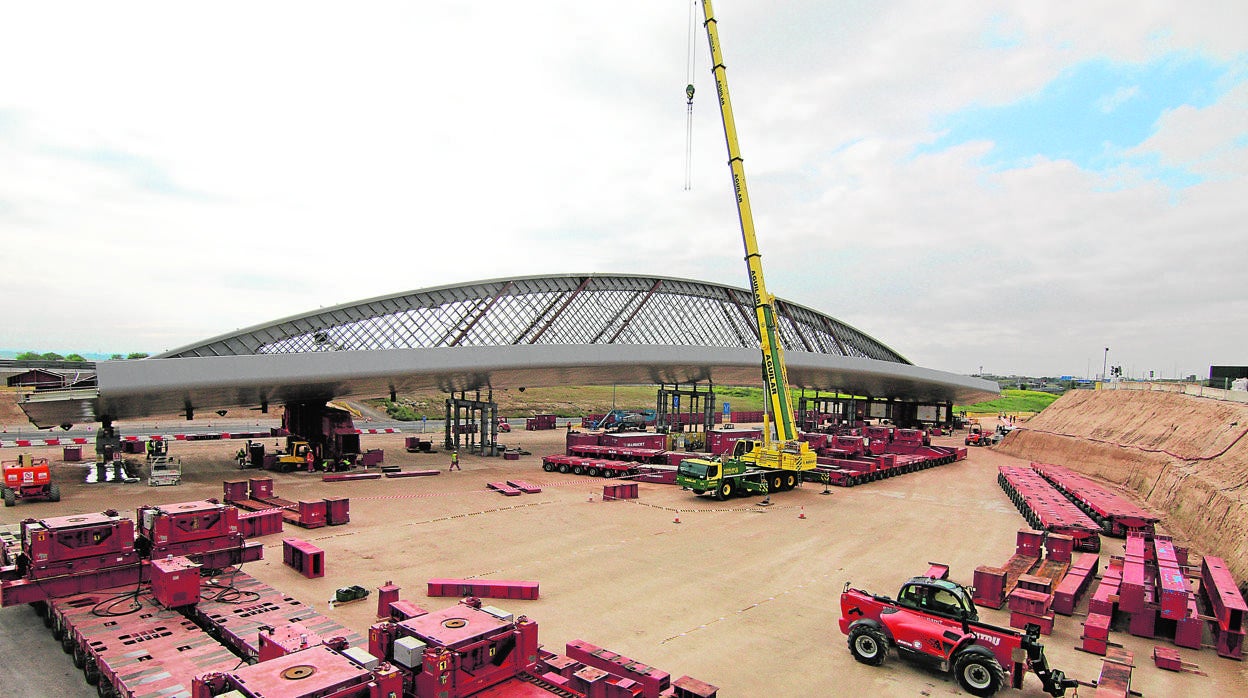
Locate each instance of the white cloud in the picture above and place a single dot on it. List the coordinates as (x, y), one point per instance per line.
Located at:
(198, 169)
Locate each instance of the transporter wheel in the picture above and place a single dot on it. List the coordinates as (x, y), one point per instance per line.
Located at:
(548, 467)
(80, 656)
(726, 490)
(563, 468)
(67, 642)
(58, 630)
(104, 689)
(978, 673)
(578, 470)
(593, 471)
(91, 672)
(868, 645)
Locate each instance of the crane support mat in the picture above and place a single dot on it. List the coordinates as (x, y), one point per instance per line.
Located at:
(504, 488)
(484, 588)
(414, 473)
(524, 486)
(343, 477)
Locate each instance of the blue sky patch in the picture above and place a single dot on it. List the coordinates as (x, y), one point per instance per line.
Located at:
(1090, 115)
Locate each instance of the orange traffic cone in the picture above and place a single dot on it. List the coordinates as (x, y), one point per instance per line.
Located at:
(802, 513)
(677, 519)
(591, 497)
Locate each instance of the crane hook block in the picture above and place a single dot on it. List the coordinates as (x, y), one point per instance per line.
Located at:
(689, 92)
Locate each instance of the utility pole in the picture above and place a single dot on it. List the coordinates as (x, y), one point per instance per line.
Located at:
(1105, 364)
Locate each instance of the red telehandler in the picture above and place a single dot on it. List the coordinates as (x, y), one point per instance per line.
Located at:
(934, 620)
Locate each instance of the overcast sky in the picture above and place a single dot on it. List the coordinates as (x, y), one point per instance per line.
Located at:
(1006, 185)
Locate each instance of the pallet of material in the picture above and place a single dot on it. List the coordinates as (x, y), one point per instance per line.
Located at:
(414, 473)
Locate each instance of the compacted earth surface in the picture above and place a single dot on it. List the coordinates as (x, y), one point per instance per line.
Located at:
(739, 595)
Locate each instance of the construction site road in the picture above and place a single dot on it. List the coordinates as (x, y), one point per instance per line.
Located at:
(733, 593)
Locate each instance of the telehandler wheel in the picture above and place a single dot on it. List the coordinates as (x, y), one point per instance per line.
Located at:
(726, 490)
(978, 673)
(868, 645)
(54, 493)
(10, 497)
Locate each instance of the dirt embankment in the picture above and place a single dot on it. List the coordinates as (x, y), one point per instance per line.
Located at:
(1186, 457)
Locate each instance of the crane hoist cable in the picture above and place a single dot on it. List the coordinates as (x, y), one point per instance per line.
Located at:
(690, 66)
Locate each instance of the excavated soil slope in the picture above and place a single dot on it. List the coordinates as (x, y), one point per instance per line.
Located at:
(1185, 456)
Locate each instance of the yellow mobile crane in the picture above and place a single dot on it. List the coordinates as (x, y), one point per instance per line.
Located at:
(755, 467)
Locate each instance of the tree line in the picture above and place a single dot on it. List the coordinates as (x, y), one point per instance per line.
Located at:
(77, 358)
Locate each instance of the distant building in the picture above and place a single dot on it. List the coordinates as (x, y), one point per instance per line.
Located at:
(1223, 376)
(37, 378)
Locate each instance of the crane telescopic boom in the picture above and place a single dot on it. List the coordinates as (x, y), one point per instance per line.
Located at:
(775, 375)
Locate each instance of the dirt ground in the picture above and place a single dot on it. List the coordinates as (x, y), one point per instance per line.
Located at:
(742, 596)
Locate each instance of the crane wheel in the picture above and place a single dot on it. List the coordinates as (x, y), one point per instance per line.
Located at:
(790, 481)
(726, 490)
(868, 645)
(978, 673)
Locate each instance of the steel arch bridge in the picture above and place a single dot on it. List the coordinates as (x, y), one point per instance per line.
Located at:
(590, 329)
(593, 309)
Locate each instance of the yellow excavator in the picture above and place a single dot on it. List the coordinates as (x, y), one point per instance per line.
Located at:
(766, 465)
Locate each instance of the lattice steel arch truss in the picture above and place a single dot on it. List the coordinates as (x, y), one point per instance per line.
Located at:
(540, 310)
